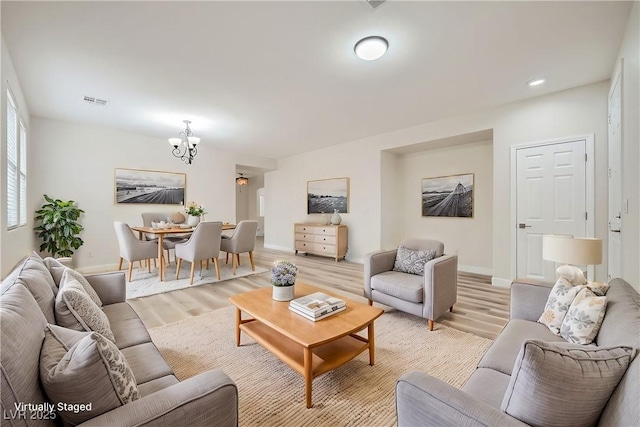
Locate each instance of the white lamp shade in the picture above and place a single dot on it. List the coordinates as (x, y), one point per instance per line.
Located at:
(175, 141)
(193, 141)
(572, 250)
(371, 48)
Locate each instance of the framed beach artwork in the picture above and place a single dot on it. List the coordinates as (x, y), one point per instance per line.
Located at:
(448, 196)
(150, 187)
(326, 195)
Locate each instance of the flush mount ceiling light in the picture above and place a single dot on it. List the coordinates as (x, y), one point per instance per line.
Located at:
(536, 82)
(241, 180)
(371, 48)
(186, 142)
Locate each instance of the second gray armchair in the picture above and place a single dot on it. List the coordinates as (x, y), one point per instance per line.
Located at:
(428, 295)
(243, 240)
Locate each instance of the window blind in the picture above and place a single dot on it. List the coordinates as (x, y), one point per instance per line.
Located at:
(23, 174)
(12, 163)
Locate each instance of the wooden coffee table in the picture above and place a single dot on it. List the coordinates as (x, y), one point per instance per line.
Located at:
(309, 348)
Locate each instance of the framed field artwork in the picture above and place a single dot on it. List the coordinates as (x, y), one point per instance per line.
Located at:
(326, 195)
(150, 187)
(448, 196)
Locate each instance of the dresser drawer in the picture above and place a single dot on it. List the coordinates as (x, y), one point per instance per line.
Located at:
(325, 231)
(307, 237)
(308, 229)
(304, 246)
(324, 249)
(320, 238)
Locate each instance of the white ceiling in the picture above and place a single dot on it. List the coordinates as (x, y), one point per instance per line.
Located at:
(279, 78)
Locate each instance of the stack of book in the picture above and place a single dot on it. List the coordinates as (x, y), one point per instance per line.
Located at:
(316, 306)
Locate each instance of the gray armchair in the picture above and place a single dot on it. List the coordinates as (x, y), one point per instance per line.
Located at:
(133, 249)
(204, 244)
(243, 240)
(428, 296)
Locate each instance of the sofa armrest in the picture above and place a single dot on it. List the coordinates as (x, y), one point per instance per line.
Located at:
(440, 285)
(110, 287)
(423, 400)
(528, 298)
(210, 398)
(376, 263)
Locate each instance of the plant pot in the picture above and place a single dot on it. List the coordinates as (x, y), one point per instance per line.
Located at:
(283, 293)
(193, 220)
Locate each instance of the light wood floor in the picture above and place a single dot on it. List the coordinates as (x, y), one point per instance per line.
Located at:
(481, 309)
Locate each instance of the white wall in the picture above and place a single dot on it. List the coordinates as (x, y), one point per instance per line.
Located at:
(470, 238)
(629, 51)
(577, 111)
(16, 243)
(73, 161)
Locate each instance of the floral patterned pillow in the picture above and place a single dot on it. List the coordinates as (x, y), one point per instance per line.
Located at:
(412, 262)
(583, 320)
(558, 304)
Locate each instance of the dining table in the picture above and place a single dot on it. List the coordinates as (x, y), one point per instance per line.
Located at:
(161, 232)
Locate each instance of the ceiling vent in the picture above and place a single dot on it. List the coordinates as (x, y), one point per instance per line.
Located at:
(95, 101)
(375, 4)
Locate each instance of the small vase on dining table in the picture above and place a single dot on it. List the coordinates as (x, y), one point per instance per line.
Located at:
(193, 220)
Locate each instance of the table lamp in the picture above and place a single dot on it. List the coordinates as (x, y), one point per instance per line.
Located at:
(572, 250)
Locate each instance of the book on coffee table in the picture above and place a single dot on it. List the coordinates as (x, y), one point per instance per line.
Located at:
(322, 316)
(316, 304)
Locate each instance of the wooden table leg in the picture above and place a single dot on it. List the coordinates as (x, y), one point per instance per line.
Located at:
(161, 265)
(308, 378)
(238, 321)
(372, 350)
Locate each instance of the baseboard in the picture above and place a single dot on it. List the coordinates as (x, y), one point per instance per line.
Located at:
(278, 248)
(501, 283)
(91, 269)
(475, 270)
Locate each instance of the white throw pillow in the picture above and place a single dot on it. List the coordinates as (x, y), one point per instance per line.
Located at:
(583, 320)
(558, 304)
(574, 275)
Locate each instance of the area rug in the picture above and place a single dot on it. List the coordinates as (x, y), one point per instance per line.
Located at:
(356, 394)
(145, 284)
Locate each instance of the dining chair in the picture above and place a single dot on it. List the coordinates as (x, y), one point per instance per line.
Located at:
(242, 240)
(169, 242)
(204, 244)
(133, 249)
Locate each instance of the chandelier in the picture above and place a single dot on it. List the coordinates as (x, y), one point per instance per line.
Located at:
(184, 147)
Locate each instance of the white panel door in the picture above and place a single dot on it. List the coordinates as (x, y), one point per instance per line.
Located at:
(615, 174)
(550, 199)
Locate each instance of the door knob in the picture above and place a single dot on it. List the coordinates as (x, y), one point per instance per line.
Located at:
(521, 225)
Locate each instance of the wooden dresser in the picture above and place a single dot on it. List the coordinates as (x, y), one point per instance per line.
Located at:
(319, 239)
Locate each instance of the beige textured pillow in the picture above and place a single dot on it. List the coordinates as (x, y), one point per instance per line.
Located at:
(558, 304)
(71, 273)
(583, 320)
(74, 309)
(562, 385)
(84, 368)
(56, 268)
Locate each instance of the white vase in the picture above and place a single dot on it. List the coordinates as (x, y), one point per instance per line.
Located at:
(336, 219)
(283, 293)
(193, 220)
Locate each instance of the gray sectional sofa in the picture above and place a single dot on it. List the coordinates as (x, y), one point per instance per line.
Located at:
(26, 307)
(422, 400)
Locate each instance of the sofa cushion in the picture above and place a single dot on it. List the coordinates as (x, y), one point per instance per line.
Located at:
(76, 310)
(584, 317)
(126, 326)
(56, 268)
(71, 273)
(158, 384)
(78, 368)
(146, 362)
(22, 330)
(558, 304)
(408, 287)
(412, 261)
(487, 386)
(555, 385)
(502, 354)
(33, 274)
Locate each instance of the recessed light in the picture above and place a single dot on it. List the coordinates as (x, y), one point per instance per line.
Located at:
(371, 48)
(536, 82)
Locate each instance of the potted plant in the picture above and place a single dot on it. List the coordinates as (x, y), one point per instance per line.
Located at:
(59, 227)
(283, 277)
(195, 212)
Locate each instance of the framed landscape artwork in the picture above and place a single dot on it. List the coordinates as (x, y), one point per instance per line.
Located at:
(150, 187)
(326, 195)
(450, 196)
